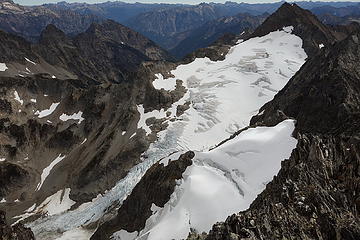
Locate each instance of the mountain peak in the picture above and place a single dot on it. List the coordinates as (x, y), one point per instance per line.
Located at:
(51, 33)
(306, 25)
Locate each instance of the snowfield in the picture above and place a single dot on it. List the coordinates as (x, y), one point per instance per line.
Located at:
(222, 181)
(223, 97)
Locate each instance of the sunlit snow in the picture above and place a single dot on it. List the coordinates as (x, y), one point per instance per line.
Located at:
(47, 112)
(76, 116)
(3, 67)
(222, 181)
(17, 98)
(45, 173)
(28, 60)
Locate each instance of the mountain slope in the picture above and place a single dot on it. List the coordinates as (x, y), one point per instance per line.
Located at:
(208, 33)
(306, 25)
(269, 58)
(29, 22)
(222, 97)
(316, 193)
(69, 117)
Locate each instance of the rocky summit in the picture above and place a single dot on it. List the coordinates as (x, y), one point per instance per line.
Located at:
(253, 134)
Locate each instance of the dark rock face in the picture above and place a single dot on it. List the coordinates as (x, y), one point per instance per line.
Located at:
(154, 188)
(17, 232)
(316, 194)
(12, 177)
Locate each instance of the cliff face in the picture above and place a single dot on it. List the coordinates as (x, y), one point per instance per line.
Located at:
(17, 232)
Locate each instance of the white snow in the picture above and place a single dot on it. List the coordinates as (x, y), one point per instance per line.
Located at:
(56, 203)
(16, 200)
(3, 67)
(123, 133)
(3, 200)
(143, 116)
(321, 45)
(132, 135)
(224, 95)
(124, 235)
(166, 84)
(2, 159)
(17, 98)
(31, 209)
(76, 116)
(174, 156)
(30, 61)
(222, 181)
(47, 112)
(76, 234)
(33, 100)
(53, 76)
(83, 141)
(47, 170)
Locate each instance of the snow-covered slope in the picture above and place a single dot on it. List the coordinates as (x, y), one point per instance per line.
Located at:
(221, 182)
(223, 96)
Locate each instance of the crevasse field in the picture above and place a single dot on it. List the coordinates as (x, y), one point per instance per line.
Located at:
(224, 95)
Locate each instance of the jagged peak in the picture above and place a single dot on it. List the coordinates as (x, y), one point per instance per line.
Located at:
(51, 33)
(306, 25)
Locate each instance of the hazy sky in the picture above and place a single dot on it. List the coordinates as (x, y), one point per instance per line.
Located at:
(37, 2)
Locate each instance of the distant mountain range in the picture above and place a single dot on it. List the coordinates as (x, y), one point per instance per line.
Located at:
(178, 28)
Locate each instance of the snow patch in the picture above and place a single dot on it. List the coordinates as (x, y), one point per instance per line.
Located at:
(144, 116)
(3, 67)
(76, 116)
(47, 170)
(124, 235)
(83, 141)
(30, 61)
(3, 200)
(2, 159)
(56, 203)
(33, 100)
(53, 76)
(321, 45)
(166, 84)
(47, 112)
(17, 97)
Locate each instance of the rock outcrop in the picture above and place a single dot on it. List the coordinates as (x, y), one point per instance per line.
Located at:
(17, 232)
